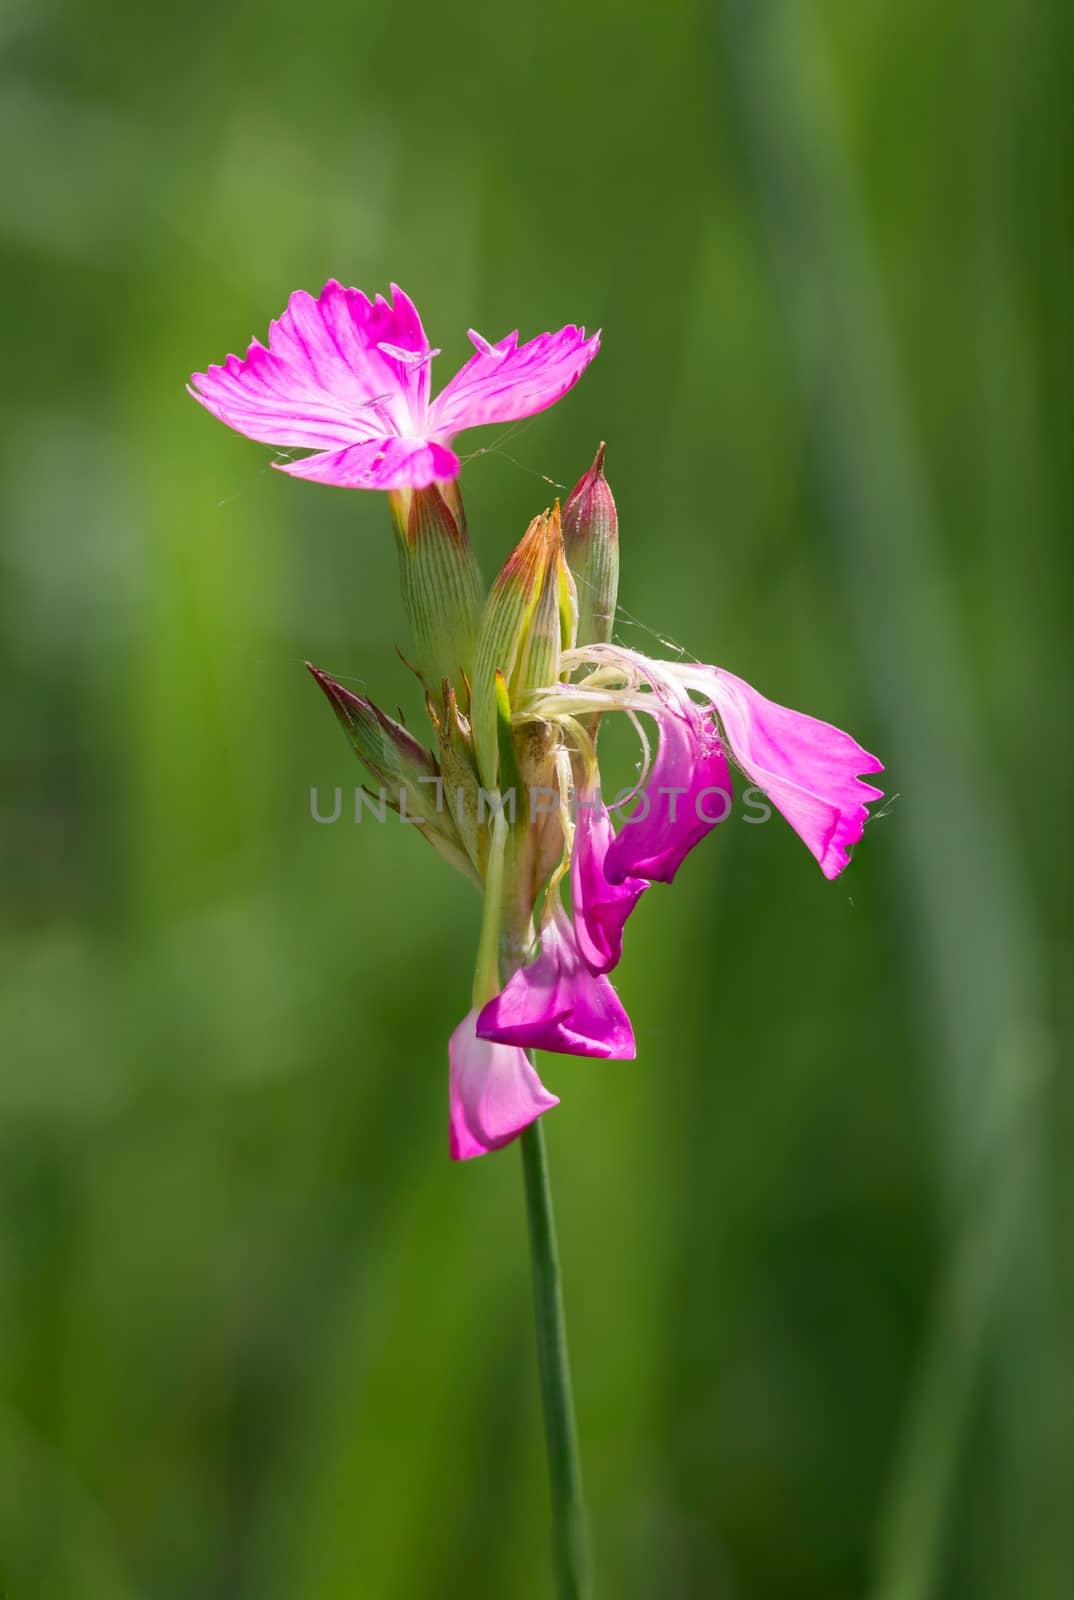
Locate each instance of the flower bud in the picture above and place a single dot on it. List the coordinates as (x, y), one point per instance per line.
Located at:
(440, 582)
(529, 618)
(410, 779)
(591, 543)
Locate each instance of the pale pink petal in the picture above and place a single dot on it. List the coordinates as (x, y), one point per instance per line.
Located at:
(506, 381)
(494, 1093)
(326, 378)
(807, 768)
(387, 463)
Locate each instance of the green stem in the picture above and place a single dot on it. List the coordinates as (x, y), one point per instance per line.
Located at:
(570, 1540)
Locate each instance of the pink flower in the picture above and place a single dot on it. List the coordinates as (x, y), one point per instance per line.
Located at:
(556, 1003)
(494, 1093)
(600, 908)
(349, 378)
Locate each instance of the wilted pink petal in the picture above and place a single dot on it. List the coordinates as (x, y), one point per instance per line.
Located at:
(350, 377)
(556, 1003)
(807, 768)
(600, 908)
(494, 1093)
(688, 792)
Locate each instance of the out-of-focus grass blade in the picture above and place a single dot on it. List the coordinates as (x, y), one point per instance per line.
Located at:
(978, 939)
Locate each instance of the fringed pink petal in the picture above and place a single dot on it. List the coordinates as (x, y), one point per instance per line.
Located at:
(506, 381)
(338, 369)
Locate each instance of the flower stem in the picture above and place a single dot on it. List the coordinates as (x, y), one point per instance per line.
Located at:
(570, 1540)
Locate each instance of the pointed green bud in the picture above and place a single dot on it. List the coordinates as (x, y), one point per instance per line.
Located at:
(528, 619)
(591, 541)
(408, 777)
(440, 582)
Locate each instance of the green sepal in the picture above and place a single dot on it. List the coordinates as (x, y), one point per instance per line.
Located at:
(409, 777)
(459, 776)
(440, 582)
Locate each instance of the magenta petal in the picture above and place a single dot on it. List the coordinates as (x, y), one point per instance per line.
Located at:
(290, 418)
(406, 336)
(556, 1003)
(325, 379)
(494, 1093)
(807, 768)
(687, 794)
(600, 908)
(506, 381)
(388, 463)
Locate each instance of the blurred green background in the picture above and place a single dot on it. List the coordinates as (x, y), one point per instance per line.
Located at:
(259, 1339)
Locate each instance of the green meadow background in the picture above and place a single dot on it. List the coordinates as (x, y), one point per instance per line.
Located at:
(259, 1339)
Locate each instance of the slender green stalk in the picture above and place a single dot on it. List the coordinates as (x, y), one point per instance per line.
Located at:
(570, 1539)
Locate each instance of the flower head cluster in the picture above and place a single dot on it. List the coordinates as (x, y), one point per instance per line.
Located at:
(517, 686)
